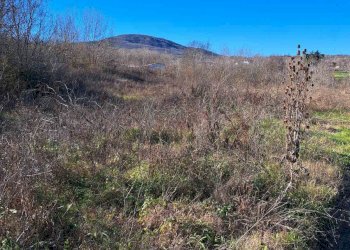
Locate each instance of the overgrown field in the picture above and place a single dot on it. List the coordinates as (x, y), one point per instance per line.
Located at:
(119, 157)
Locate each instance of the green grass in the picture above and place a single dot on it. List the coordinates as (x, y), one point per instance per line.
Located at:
(338, 116)
(272, 136)
(330, 141)
(341, 75)
(342, 137)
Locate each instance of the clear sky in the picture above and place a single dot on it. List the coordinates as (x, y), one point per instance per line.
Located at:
(259, 27)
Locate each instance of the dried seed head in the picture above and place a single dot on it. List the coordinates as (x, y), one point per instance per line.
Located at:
(296, 101)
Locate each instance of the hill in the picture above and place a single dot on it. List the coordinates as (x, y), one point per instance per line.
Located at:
(135, 41)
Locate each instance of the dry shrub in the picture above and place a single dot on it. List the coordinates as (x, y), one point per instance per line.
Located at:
(330, 98)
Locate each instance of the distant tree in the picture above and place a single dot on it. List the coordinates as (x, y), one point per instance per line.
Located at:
(94, 26)
(66, 30)
(315, 56)
(94, 29)
(200, 45)
(198, 50)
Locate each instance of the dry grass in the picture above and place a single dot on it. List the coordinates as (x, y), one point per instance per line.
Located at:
(117, 156)
(326, 98)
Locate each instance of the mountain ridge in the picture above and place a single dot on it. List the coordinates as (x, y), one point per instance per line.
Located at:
(162, 45)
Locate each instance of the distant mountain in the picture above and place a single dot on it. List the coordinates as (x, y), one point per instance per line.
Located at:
(161, 45)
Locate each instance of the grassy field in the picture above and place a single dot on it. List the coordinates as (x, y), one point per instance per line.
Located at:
(184, 158)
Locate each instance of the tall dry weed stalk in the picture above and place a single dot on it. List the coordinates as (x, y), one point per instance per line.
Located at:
(295, 104)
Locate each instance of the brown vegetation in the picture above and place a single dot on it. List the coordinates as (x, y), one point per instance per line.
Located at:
(100, 151)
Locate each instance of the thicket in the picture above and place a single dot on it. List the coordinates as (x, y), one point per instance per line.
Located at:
(39, 52)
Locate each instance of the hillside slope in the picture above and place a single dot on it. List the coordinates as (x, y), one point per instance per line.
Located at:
(135, 41)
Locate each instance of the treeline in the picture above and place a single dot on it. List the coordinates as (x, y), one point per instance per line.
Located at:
(38, 50)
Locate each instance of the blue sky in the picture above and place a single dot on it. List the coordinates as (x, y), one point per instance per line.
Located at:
(270, 27)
